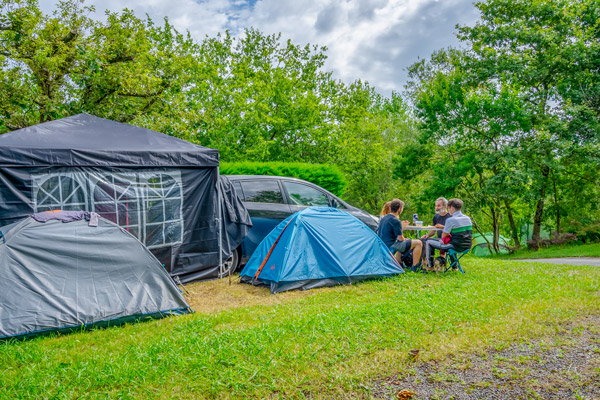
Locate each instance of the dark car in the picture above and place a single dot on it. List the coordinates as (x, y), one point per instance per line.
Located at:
(271, 199)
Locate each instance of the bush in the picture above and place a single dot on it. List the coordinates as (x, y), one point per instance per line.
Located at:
(555, 240)
(328, 177)
(587, 231)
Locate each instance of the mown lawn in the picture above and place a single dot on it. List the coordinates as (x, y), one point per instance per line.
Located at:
(582, 250)
(327, 343)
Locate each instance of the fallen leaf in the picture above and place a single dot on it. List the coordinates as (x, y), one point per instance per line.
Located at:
(405, 394)
(413, 354)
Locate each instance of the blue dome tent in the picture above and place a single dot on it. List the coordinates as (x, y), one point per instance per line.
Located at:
(316, 247)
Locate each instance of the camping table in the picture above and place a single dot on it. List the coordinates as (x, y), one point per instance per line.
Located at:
(418, 229)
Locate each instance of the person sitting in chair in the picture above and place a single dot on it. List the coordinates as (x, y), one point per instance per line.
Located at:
(439, 221)
(390, 231)
(457, 233)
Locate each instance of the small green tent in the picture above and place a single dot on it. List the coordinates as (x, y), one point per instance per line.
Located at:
(480, 246)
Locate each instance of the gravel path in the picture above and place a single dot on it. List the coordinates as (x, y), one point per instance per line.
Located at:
(567, 260)
(567, 366)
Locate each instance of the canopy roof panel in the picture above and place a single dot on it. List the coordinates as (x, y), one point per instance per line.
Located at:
(86, 140)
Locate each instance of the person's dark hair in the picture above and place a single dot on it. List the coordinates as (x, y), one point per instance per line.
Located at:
(455, 203)
(396, 205)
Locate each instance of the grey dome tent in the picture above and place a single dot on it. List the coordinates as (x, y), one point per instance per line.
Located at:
(59, 276)
(164, 191)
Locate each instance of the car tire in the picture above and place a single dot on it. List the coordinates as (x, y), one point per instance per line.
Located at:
(231, 265)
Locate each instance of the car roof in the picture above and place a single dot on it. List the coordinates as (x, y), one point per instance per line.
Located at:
(242, 177)
(235, 177)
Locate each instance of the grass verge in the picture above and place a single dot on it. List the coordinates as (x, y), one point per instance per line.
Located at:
(582, 250)
(328, 343)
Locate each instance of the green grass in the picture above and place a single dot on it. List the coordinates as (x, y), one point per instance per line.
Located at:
(582, 250)
(331, 344)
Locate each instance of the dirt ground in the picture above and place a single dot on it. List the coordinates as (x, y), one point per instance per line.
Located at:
(566, 366)
(228, 293)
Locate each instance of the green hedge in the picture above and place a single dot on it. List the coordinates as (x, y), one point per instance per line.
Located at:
(327, 176)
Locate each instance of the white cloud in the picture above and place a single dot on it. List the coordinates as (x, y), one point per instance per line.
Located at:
(372, 40)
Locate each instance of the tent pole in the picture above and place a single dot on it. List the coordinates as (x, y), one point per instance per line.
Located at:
(219, 221)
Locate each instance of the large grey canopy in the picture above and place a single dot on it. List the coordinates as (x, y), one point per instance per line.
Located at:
(57, 276)
(163, 190)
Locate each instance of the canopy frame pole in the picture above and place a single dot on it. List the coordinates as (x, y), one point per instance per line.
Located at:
(220, 223)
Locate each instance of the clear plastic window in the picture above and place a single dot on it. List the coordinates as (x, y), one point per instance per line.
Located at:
(60, 192)
(147, 204)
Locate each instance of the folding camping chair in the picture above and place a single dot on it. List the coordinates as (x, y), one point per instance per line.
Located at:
(454, 258)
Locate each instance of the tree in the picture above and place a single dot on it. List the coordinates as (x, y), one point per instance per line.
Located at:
(370, 129)
(534, 46)
(67, 63)
(479, 124)
(260, 98)
(510, 96)
(256, 98)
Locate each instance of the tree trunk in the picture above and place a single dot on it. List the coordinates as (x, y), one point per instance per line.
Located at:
(497, 237)
(539, 209)
(513, 226)
(556, 205)
(495, 230)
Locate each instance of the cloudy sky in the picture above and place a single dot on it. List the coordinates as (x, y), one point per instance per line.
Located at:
(373, 40)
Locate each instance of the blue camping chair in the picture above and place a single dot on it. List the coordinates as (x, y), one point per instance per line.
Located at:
(454, 258)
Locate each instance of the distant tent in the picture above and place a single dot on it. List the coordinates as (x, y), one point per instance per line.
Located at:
(60, 276)
(161, 189)
(480, 246)
(319, 246)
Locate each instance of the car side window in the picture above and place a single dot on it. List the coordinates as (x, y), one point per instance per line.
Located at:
(303, 195)
(262, 191)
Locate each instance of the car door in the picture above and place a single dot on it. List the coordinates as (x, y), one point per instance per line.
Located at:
(265, 202)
